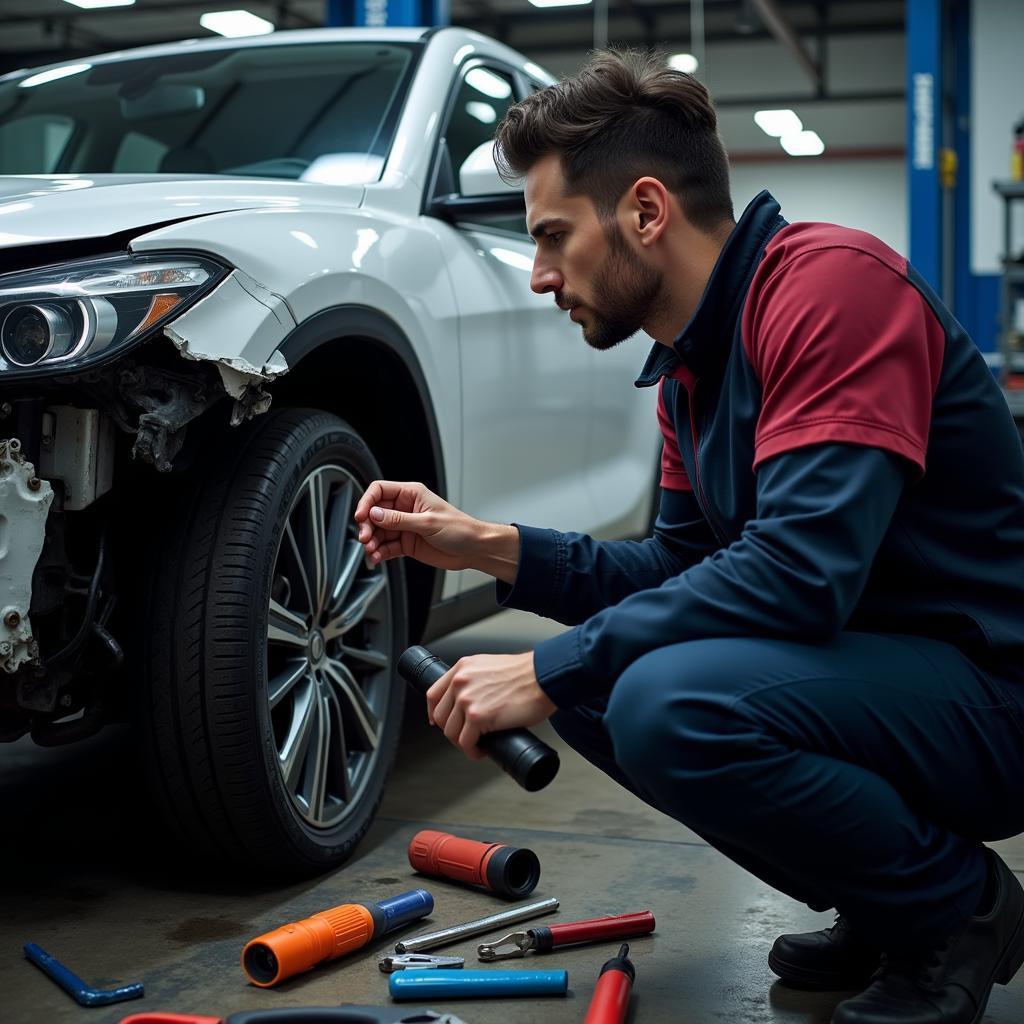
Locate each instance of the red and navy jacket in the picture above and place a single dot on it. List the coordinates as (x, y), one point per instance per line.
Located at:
(836, 456)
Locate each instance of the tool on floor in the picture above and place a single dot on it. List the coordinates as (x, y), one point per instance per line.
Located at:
(348, 1014)
(543, 940)
(84, 995)
(507, 870)
(431, 940)
(343, 1015)
(477, 984)
(298, 946)
(610, 1000)
(530, 761)
(160, 1017)
(420, 962)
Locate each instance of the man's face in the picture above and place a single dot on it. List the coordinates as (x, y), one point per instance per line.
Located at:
(588, 264)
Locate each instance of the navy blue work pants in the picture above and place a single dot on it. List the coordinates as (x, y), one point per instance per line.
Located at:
(861, 774)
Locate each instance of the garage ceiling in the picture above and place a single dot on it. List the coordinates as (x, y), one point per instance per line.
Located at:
(858, 107)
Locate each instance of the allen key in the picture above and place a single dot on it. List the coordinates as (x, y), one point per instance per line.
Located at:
(84, 995)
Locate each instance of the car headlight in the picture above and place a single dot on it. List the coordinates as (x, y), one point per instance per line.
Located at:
(60, 318)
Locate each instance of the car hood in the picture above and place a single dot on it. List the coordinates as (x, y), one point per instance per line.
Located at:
(52, 208)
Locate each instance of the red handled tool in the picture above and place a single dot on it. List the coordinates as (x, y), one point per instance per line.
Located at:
(614, 984)
(543, 940)
(160, 1017)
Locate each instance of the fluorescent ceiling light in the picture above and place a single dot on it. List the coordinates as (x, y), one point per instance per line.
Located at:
(778, 122)
(235, 23)
(558, 3)
(489, 83)
(685, 62)
(803, 144)
(54, 74)
(94, 5)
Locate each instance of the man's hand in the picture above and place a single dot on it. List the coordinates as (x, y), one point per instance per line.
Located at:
(485, 693)
(397, 519)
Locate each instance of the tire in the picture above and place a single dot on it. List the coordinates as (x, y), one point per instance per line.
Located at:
(273, 707)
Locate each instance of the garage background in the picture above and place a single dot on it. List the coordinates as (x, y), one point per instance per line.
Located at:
(915, 103)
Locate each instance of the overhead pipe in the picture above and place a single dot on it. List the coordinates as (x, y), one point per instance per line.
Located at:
(776, 23)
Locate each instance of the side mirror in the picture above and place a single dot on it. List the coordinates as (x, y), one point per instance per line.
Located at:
(478, 175)
(481, 190)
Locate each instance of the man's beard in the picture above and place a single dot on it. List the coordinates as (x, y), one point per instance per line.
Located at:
(628, 290)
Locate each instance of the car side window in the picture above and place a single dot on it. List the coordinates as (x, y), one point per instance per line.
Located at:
(484, 95)
(483, 98)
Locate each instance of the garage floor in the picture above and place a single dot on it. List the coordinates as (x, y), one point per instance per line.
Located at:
(80, 880)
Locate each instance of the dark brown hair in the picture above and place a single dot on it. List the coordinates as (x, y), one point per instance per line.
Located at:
(624, 115)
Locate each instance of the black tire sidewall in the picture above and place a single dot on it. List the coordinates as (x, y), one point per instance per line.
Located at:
(329, 441)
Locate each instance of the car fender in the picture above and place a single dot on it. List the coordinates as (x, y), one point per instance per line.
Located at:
(292, 266)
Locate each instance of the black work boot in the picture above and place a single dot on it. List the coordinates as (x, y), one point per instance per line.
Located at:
(950, 983)
(834, 958)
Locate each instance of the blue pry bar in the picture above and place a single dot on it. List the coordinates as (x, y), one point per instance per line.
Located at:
(425, 986)
(73, 984)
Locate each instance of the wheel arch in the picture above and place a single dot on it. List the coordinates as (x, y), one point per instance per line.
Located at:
(344, 359)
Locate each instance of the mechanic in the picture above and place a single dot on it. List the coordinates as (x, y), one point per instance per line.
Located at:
(817, 660)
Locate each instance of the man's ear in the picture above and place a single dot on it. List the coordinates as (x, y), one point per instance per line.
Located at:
(648, 209)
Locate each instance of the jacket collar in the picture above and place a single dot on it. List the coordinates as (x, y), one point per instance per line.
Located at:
(704, 342)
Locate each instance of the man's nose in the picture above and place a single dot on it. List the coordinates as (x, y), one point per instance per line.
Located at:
(545, 278)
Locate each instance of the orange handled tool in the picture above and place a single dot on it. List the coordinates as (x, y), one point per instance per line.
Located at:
(298, 946)
(506, 870)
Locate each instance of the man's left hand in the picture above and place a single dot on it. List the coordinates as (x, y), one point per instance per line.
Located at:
(485, 693)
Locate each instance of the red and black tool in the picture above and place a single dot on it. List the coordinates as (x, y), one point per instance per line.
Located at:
(510, 871)
(614, 984)
(543, 940)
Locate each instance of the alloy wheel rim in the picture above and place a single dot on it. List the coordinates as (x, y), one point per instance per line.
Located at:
(327, 652)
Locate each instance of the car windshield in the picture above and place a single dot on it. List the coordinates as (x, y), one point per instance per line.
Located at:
(312, 112)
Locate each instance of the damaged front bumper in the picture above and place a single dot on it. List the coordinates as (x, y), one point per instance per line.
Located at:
(229, 328)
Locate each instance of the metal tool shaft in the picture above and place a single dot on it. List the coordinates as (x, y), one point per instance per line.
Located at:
(484, 924)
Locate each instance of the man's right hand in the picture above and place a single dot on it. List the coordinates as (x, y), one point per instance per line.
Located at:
(409, 519)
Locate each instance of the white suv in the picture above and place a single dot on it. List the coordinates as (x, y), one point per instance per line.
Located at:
(238, 281)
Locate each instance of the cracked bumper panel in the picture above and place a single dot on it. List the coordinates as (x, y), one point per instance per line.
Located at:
(238, 332)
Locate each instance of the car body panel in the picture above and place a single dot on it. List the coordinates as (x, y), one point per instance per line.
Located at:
(56, 208)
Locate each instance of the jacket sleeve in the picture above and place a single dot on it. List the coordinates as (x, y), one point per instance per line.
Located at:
(569, 576)
(796, 571)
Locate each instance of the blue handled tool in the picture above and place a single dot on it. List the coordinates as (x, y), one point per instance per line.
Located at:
(82, 994)
(428, 985)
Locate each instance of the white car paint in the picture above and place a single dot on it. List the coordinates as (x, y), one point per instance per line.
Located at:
(534, 425)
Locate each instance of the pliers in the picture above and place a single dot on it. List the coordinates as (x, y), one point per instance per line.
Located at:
(419, 962)
(543, 940)
(305, 1015)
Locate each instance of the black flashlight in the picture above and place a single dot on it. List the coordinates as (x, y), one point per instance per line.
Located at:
(530, 761)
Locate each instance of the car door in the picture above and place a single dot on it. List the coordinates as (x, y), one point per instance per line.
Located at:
(525, 368)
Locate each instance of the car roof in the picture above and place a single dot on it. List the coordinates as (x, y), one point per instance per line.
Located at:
(285, 38)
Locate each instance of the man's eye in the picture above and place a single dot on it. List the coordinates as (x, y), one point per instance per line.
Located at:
(555, 237)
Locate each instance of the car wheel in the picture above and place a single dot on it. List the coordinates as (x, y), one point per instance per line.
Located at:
(274, 707)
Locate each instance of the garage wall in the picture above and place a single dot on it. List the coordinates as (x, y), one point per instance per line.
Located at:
(867, 194)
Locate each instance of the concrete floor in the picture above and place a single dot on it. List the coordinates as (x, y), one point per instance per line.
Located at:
(82, 880)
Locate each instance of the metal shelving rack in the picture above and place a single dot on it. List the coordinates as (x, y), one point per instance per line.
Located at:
(1011, 345)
